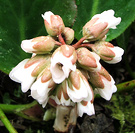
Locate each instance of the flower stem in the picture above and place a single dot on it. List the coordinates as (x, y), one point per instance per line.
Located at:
(61, 39)
(6, 122)
(77, 45)
(126, 86)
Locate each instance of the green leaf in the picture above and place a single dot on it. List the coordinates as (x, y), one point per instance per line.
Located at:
(21, 19)
(86, 9)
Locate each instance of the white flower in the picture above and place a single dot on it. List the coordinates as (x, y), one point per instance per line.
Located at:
(108, 90)
(61, 66)
(85, 107)
(118, 55)
(23, 75)
(78, 87)
(108, 16)
(40, 90)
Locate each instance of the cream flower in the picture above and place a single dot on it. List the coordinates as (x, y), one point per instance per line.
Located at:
(85, 107)
(23, 75)
(61, 64)
(78, 87)
(108, 16)
(108, 90)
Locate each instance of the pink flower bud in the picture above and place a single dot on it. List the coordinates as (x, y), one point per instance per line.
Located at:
(99, 25)
(62, 62)
(88, 60)
(53, 23)
(103, 82)
(107, 52)
(68, 34)
(38, 45)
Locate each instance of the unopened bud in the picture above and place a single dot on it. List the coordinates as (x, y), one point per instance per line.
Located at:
(68, 34)
(53, 23)
(108, 52)
(38, 45)
(88, 60)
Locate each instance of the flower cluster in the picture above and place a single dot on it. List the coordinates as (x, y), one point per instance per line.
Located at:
(67, 75)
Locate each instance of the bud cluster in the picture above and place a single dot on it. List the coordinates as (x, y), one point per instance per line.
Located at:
(67, 75)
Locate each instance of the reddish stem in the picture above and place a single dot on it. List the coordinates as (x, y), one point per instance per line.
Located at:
(77, 45)
(61, 39)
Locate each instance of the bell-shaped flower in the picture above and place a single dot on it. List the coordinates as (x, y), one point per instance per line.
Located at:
(88, 60)
(61, 97)
(38, 45)
(53, 23)
(62, 62)
(42, 86)
(85, 107)
(107, 52)
(27, 71)
(100, 24)
(78, 87)
(103, 82)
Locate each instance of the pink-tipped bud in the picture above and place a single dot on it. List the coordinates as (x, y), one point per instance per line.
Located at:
(99, 25)
(53, 23)
(38, 45)
(107, 52)
(68, 34)
(88, 60)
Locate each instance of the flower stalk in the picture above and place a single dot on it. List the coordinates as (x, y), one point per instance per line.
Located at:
(6, 122)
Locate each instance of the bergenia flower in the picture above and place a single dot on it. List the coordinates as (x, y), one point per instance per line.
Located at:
(107, 52)
(88, 60)
(103, 82)
(38, 45)
(61, 97)
(62, 62)
(85, 107)
(78, 87)
(100, 24)
(108, 16)
(22, 75)
(41, 87)
(27, 71)
(53, 23)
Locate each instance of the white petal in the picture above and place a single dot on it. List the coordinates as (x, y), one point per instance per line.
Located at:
(108, 90)
(27, 46)
(23, 75)
(118, 55)
(46, 16)
(78, 95)
(60, 67)
(108, 16)
(88, 109)
(41, 88)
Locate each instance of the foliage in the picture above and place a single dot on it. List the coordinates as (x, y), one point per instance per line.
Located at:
(22, 20)
(123, 109)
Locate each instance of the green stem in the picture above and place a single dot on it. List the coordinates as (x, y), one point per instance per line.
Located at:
(6, 122)
(19, 110)
(126, 86)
